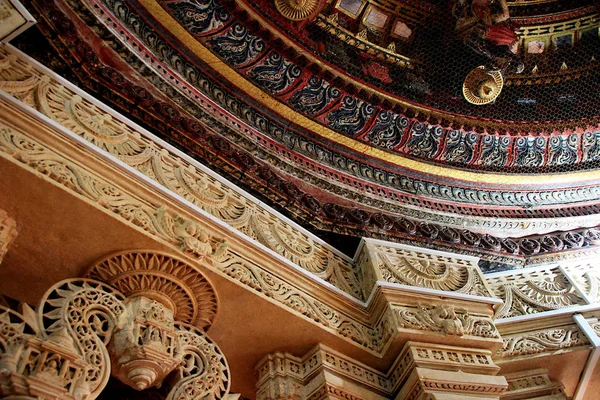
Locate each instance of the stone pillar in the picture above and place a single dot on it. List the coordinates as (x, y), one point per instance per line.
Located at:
(422, 371)
(436, 372)
(8, 232)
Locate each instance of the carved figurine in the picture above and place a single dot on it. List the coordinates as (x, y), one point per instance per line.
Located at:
(485, 27)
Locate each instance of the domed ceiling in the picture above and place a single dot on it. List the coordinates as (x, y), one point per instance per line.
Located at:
(357, 116)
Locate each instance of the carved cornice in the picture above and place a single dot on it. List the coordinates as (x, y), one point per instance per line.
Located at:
(421, 269)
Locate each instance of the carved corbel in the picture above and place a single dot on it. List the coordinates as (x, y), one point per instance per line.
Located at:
(86, 328)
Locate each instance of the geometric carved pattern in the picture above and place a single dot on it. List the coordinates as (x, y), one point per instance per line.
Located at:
(533, 384)
(164, 278)
(534, 292)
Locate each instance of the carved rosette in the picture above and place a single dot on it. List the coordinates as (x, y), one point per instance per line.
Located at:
(164, 278)
(297, 10)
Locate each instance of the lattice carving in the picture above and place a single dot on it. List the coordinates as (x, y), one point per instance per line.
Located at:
(88, 311)
(154, 275)
(204, 373)
(587, 279)
(534, 292)
(429, 271)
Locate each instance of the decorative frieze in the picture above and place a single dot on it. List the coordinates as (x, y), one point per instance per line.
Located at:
(84, 118)
(8, 232)
(446, 320)
(542, 341)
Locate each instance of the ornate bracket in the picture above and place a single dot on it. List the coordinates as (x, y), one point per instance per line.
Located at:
(84, 329)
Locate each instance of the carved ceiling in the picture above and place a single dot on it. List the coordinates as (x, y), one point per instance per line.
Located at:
(348, 116)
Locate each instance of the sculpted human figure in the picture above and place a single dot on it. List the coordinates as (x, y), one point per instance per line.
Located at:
(485, 26)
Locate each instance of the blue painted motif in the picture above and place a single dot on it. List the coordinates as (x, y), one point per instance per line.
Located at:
(313, 98)
(530, 151)
(494, 151)
(563, 150)
(388, 130)
(238, 46)
(425, 140)
(199, 17)
(275, 74)
(351, 117)
(460, 146)
(591, 143)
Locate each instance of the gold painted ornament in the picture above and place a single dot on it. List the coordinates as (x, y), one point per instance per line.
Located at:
(296, 10)
(482, 86)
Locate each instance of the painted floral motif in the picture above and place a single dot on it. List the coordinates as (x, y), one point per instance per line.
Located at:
(238, 46)
(275, 74)
(495, 151)
(199, 17)
(313, 98)
(389, 130)
(563, 150)
(425, 140)
(530, 151)
(351, 117)
(460, 147)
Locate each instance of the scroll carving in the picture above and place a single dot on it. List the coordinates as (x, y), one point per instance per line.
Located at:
(534, 292)
(541, 341)
(159, 222)
(8, 232)
(446, 320)
(429, 271)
